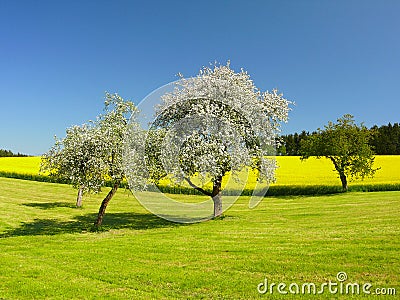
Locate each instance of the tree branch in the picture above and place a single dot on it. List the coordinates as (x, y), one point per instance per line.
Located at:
(337, 167)
(197, 188)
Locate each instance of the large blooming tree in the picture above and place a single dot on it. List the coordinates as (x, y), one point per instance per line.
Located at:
(214, 123)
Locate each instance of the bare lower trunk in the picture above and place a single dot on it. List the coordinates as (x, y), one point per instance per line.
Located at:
(217, 197)
(343, 179)
(79, 197)
(104, 204)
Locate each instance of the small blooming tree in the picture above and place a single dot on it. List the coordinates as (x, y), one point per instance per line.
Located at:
(78, 159)
(91, 155)
(215, 123)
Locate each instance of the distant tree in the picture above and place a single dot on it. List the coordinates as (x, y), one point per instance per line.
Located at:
(281, 149)
(291, 143)
(346, 145)
(5, 153)
(386, 139)
(396, 138)
(9, 153)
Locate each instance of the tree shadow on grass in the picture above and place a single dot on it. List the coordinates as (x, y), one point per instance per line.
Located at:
(82, 224)
(49, 205)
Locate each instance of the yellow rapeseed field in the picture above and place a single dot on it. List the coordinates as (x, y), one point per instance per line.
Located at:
(21, 165)
(291, 171)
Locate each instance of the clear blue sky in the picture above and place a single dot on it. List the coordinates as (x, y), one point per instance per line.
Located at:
(58, 57)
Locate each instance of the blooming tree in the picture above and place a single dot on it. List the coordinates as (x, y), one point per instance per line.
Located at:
(113, 126)
(78, 159)
(214, 123)
(91, 155)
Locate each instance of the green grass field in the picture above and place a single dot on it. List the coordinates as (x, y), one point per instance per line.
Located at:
(48, 252)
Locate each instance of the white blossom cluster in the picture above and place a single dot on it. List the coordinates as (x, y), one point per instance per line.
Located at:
(216, 122)
(78, 158)
(91, 154)
(219, 121)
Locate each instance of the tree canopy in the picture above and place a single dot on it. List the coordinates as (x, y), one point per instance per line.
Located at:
(91, 154)
(216, 122)
(346, 144)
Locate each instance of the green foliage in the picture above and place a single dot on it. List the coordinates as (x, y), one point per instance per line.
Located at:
(386, 139)
(33, 177)
(346, 145)
(290, 144)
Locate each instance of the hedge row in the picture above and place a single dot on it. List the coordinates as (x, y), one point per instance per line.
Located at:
(282, 190)
(41, 178)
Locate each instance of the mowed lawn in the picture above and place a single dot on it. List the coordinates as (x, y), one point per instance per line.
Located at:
(48, 251)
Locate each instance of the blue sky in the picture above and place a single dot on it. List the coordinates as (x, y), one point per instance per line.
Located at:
(58, 57)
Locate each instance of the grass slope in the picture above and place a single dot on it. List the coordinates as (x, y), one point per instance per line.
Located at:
(47, 251)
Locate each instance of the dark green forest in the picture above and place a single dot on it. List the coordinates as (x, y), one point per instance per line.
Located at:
(385, 140)
(9, 153)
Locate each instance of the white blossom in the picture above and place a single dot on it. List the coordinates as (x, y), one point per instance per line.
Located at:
(91, 154)
(222, 122)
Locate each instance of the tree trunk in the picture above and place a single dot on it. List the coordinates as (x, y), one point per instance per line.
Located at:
(344, 182)
(340, 170)
(104, 204)
(217, 197)
(79, 197)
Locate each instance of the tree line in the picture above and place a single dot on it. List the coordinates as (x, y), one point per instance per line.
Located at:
(9, 153)
(385, 140)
